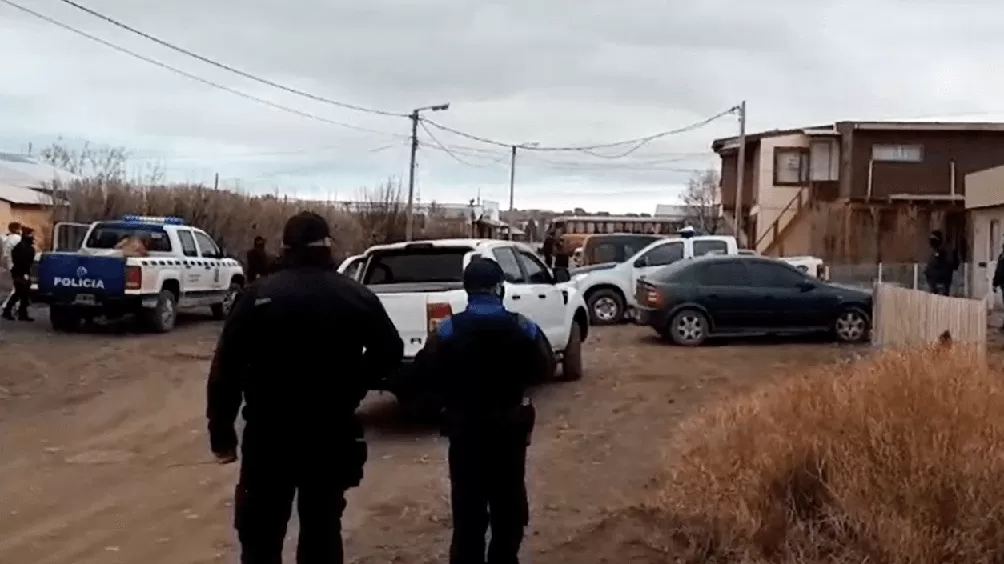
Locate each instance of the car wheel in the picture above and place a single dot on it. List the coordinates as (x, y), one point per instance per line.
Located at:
(852, 326)
(606, 307)
(688, 328)
(222, 309)
(161, 319)
(63, 319)
(571, 360)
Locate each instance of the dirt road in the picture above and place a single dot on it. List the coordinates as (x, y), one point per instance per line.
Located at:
(104, 456)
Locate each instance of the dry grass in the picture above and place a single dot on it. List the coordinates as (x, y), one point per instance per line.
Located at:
(234, 219)
(893, 459)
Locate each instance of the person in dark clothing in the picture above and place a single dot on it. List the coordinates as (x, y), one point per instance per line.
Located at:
(998, 281)
(22, 258)
(286, 352)
(941, 265)
(487, 415)
(258, 261)
(547, 249)
(561, 254)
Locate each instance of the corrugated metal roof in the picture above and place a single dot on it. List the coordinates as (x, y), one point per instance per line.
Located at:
(26, 172)
(23, 196)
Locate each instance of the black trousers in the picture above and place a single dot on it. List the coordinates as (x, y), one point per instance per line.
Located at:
(487, 483)
(264, 499)
(939, 287)
(22, 289)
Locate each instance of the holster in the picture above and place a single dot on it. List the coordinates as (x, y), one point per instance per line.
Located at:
(356, 454)
(515, 422)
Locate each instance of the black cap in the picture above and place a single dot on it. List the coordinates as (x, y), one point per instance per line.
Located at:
(482, 275)
(305, 229)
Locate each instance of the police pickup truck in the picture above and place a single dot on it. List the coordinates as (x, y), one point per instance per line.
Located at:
(421, 283)
(180, 267)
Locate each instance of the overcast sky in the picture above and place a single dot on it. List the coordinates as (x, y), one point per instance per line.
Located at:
(557, 72)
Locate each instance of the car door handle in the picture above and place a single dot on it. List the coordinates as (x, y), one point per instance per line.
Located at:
(516, 296)
(542, 296)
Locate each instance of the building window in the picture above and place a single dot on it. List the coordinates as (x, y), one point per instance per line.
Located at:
(824, 161)
(897, 153)
(791, 166)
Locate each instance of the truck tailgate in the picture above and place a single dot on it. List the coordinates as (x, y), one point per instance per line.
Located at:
(74, 273)
(409, 312)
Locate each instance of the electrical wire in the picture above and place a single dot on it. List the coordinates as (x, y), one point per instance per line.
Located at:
(229, 68)
(191, 76)
(446, 149)
(640, 140)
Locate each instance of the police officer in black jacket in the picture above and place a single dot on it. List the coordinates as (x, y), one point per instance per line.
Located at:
(293, 350)
(482, 360)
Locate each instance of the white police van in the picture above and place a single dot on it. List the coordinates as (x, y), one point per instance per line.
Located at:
(182, 268)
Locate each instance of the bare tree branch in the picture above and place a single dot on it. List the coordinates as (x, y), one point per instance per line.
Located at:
(702, 202)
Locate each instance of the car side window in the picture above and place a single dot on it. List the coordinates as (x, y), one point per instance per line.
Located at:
(207, 246)
(724, 273)
(768, 275)
(664, 254)
(705, 246)
(510, 266)
(188, 247)
(536, 272)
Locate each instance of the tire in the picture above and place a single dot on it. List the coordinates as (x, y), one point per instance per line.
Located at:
(689, 328)
(606, 307)
(164, 316)
(852, 325)
(571, 361)
(63, 319)
(222, 309)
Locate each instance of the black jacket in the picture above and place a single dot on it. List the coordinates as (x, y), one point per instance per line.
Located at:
(481, 362)
(259, 264)
(22, 257)
(999, 272)
(941, 264)
(293, 350)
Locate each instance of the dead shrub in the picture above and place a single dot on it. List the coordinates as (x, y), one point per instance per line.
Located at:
(893, 459)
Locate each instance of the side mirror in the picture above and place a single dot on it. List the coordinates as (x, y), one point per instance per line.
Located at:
(561, 275)
(641, 262)
(806, 286)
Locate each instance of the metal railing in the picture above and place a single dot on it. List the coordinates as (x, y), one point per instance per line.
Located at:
(908, 275)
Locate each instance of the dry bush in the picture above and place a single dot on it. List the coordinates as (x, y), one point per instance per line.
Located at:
(893, 459)
(233, 219)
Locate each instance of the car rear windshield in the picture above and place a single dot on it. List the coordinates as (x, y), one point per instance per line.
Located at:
(405, 266)
(109, 235)
(678, 272)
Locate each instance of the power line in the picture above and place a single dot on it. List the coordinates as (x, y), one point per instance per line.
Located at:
(229, 68)
(641, 141)
(191, 76)
(445, 148)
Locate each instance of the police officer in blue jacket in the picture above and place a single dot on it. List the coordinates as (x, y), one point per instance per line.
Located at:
(482, 361)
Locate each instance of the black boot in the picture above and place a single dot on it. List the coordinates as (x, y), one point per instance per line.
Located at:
(7, 315)
(23, 316)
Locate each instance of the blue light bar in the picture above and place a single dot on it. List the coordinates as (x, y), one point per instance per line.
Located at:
(151, 219)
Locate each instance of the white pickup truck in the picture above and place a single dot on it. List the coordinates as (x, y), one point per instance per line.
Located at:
(609, 288)
(421, 283)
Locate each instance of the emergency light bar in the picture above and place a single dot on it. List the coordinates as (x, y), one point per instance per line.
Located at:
(152, 219)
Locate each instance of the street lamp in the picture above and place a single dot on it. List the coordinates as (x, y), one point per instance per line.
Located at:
(512, 180)
(409, 211)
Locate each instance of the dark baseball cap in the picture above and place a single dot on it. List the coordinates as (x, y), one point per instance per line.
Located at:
(306, 229)
(482, 274)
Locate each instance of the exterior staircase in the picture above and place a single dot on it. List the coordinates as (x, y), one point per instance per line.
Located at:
(775, 233)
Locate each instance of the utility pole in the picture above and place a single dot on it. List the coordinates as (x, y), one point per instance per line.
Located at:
(512, 183)
(409, 210)
(216, 181)
(741, 169)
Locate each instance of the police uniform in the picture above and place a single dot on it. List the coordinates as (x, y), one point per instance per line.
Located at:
(292, 350)
(481, 361)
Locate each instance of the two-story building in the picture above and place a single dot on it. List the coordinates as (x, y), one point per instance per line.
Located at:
(856, 192)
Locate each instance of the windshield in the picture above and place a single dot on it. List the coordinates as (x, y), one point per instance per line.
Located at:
(109, 235)
(404, 266)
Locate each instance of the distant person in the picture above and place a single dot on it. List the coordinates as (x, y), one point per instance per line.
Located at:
(547, 249)
(561, 254)
(259, 263)
(300, 389)
(998, 282)
(7, 244)
(22, 258)
(941, 265)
